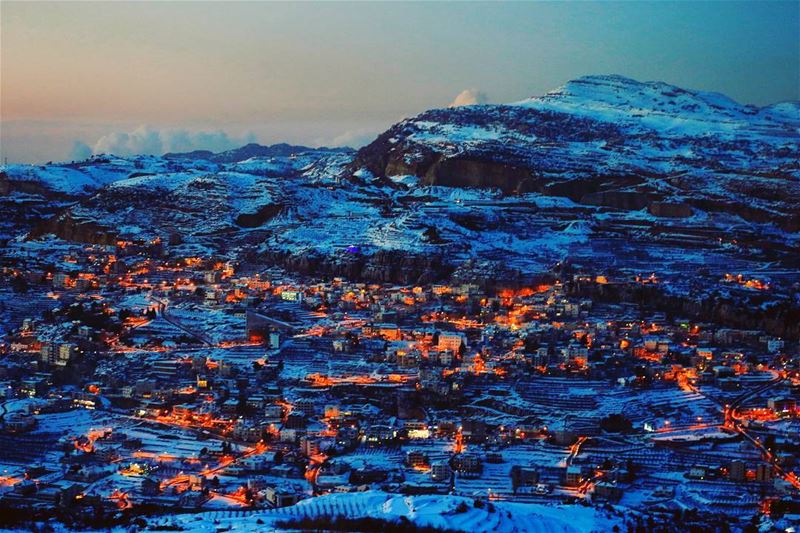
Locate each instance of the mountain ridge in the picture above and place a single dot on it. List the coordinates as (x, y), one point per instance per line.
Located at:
(252, 150)
(503, 190)
(603, 134)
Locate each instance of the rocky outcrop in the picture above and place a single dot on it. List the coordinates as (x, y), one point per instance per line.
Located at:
(472, 172)
(384, 266)
(69, 228)
(746, 312)
(263, 214)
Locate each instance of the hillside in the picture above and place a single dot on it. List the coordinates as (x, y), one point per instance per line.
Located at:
(446, 513)
(612, 141)
(603, 174)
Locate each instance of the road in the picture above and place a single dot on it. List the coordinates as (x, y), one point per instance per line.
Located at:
(574, 450)
(258, 449)
(165, 315)
(734, 422)
(777, 378)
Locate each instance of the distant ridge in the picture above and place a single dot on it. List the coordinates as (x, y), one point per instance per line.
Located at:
(252, 150)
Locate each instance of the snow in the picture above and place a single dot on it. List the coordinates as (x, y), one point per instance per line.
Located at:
(656, 104)
(85, 176)
(684, 145)
(440, 511)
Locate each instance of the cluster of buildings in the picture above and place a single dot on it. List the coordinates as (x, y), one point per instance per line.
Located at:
(134, 380)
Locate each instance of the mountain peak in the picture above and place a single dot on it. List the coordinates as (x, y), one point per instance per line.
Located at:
(618, 95)
(603, 137)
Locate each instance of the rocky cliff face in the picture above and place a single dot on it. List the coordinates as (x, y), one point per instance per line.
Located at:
(70, 228)
(384, 266)
(746, 311)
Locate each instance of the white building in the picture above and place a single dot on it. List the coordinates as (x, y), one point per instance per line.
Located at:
(451, 341)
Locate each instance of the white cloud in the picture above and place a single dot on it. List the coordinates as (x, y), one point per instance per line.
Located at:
(469, 97)
(80, 151)
(145, 140)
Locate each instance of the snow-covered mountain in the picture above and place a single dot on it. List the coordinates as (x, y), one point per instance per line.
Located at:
(609, 140)
(80, 178)
(605, 172)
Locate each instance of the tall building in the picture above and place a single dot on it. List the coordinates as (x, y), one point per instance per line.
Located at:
(763, 472)
(451, 341)
(737, 471)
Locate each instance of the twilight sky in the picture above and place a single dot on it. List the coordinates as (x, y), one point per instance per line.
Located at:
(155, 77)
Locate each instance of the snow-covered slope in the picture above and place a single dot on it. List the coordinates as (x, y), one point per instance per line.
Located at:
(450, 513)
(608, 134)
(605, 172)
(619, 99)
(78, 178)
(84, 177)
(195, 203)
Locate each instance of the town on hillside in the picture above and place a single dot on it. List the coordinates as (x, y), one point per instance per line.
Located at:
(136, 383)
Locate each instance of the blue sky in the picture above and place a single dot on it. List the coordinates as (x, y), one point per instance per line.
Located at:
(112, 75)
